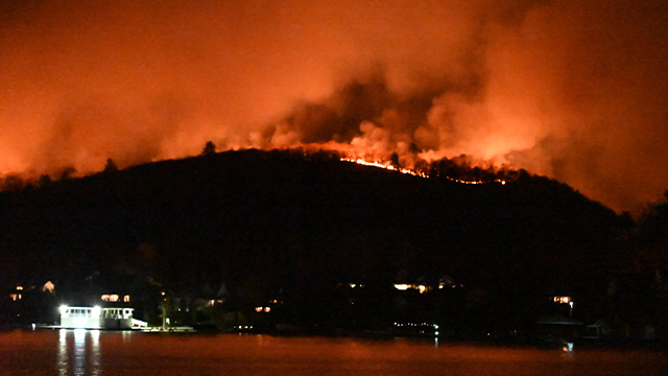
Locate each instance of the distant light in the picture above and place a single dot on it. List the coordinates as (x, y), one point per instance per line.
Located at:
(267, 309)
(63, 309)
(19, 288)
(110, 297)
(401, 287)
(422, 288)
(562, 299)
(258, 309)
(48, 286)
(96, 312)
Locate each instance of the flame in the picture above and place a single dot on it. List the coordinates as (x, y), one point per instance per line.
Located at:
(356, 151)
(387, 166)
(421, 174)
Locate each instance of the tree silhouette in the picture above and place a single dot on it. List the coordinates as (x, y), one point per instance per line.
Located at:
(394, 159)
(110, 166)
(67, 173)
(44, 181)
(12, 183)
(209, 148)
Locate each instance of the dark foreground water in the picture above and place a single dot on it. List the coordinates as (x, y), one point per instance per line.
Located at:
(78, 352)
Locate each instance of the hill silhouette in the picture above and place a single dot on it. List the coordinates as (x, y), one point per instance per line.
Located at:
(299, 224)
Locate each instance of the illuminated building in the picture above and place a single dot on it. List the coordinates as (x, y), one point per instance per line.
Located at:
(98, 318)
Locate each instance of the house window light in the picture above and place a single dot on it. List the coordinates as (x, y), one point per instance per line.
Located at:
(109, 298)
(562, 299)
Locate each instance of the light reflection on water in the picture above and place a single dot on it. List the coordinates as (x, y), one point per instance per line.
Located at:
(79, 352)
(80, 356)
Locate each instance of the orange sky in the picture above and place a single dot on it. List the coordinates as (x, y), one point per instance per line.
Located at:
(576, 90)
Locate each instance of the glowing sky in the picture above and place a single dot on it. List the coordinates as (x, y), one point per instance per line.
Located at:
(576, 90)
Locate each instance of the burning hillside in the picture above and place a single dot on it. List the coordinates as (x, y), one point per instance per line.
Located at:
(302, 223)
(574, 90)
(296, 226)
(460, 169)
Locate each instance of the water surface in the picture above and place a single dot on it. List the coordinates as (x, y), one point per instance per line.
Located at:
(79, 352)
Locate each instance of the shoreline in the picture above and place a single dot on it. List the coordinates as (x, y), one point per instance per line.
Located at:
(579, 343)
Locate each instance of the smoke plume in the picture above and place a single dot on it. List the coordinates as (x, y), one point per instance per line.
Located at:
(575, 90)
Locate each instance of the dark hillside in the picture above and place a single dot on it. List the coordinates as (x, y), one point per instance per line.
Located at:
(266, 221)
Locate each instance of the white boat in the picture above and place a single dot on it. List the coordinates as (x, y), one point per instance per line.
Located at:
(99, 318)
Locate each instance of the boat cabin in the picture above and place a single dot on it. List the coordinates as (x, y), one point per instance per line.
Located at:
(97, 318)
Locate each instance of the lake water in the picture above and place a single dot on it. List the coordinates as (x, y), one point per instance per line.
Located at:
(79, 352)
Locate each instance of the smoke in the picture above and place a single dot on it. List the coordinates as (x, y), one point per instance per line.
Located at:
(570, 89)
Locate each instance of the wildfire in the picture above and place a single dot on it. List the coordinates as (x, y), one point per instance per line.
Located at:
(387, 166)
(501, 181)
(421, 174)
(408, 163)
